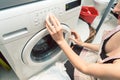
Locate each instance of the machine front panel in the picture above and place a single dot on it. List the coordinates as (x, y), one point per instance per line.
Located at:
(4, 4)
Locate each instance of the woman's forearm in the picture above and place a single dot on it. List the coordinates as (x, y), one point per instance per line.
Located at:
(93, 47)
(73, 57)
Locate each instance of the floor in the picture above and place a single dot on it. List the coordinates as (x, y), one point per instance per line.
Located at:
(109, 23)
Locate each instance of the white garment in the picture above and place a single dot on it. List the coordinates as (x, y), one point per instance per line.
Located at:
(55, 72)
(89, 57)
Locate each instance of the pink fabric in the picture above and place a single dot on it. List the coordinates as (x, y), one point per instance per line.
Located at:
(107, 36)
(112, 32)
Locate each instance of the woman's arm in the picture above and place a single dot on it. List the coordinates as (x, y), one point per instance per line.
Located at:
(93, 47)
(111, 71)
(76, 38)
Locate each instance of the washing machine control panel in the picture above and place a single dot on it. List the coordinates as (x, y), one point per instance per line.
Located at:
(40, 15)
(58, 10)
(25, 20)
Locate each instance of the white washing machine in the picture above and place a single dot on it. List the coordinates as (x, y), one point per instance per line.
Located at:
(24, 40)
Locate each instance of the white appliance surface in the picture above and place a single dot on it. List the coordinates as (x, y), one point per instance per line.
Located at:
(23, 26)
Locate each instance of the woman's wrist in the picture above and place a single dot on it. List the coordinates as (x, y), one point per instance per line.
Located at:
(61, 42)
(81, 44)
(84, 44)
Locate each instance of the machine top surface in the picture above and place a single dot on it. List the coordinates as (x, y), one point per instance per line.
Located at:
(4, 4)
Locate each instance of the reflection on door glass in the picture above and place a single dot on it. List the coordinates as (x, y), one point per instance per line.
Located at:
(44, 49)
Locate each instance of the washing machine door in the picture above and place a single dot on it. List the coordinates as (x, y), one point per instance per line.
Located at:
(41, 49)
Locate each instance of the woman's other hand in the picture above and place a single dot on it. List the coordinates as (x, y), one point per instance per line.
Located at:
(76, 38)
(55, 29)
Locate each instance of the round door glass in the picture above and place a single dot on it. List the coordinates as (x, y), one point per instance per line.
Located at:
(44, 49)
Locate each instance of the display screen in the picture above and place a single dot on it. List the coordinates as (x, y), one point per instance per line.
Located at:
(73, 4)
(4, 4)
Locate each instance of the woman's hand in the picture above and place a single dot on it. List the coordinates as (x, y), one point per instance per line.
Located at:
(55, 29)
(76, 38)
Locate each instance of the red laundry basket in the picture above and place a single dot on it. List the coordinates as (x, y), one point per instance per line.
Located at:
(88, 13)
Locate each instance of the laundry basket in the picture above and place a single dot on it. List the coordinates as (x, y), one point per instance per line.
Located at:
(88, 14)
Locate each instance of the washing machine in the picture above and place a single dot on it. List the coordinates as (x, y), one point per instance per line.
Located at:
(24, 40)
